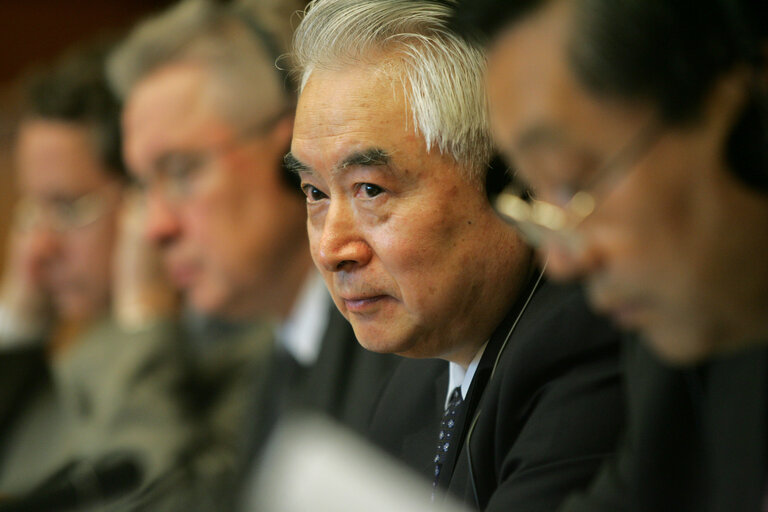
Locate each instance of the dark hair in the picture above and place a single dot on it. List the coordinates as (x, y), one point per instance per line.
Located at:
(669, 53)
(75, 90)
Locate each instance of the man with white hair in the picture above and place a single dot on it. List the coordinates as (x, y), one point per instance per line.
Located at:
(392, 144)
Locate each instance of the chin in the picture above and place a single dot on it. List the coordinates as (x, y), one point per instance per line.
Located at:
(681, 346)
(71, 309)
(205, 306)
(380, 340)
(375, 344)
(224, 306)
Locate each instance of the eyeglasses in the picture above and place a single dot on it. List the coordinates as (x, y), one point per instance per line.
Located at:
(539, 221)
(178, 174)
(63, 214)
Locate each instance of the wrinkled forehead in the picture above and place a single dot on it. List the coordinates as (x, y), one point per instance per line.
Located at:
(172, 109)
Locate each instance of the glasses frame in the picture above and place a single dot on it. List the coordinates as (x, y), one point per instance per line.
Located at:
(89, 207)
(539, 221)
(176, 175)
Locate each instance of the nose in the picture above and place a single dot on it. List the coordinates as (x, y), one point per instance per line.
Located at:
(162, 223)
(571, 259)
(43, 245)
(338, 244)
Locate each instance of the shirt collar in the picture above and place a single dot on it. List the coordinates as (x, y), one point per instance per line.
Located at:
(459, 377)
(302, 332)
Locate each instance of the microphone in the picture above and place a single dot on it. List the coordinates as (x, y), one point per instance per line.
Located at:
(83, 482)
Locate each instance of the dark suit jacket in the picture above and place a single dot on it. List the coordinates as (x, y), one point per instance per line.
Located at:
(696, 438)
(536, 428)
(22, 373)
(346, 379)
(342, 384)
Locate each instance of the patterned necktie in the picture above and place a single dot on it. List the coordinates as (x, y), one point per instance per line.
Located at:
(445, 437)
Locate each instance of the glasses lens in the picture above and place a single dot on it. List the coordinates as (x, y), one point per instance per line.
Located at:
(78, 213)
(61, 215)
(539, 222)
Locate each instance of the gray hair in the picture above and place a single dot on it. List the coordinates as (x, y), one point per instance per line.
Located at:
(239, 43)
(442, 74)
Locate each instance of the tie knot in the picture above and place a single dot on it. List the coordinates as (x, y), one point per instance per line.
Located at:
(455, 398)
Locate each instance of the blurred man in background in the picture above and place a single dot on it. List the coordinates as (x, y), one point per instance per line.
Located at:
(646, 144)
(80, 380)
(208, 118)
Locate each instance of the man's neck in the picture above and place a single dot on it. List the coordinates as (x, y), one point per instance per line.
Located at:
(504, 291)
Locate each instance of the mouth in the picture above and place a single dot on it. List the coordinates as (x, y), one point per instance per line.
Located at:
(363, 304)
(628, 312)
(181, 275)
(627, 315)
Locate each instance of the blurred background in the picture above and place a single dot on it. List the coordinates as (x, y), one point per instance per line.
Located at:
(34, 33)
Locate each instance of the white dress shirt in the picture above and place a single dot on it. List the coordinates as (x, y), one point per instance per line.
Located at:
(458, 376)
(302, 332)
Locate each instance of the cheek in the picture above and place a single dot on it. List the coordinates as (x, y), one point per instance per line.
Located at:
(204, 222)
(644, 238)
(92, 251)
(422, 257)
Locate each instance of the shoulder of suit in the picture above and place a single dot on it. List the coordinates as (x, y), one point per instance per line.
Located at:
(557, 326)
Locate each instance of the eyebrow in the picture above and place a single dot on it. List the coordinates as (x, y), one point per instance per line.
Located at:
(371, 157)
(163, 162)
(293, 164)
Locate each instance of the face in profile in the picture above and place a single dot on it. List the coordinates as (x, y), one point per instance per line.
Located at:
(401, 237)
(68, 215)
(670, 246)
(226, 224)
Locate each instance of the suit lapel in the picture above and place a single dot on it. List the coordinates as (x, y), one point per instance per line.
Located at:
(322, 382)
(483, 374)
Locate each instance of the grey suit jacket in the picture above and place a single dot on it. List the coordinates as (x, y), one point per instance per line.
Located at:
(112, 391)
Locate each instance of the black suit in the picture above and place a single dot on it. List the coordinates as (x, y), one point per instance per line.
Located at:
(345, 380)
(22, 373)
(696, 438)
(342, 384)
(540, 425)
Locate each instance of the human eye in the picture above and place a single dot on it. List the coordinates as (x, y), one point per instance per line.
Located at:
(368, 190)
(179, 172)
(72, 213)
(313, 193)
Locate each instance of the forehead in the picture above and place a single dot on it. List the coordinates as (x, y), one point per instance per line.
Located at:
(57, 155)
(535, 95)
(352, 109)
(171, 109)
(528, 77)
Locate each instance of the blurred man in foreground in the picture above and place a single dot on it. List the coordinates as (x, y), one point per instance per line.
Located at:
(647, 146)
(392, 146)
